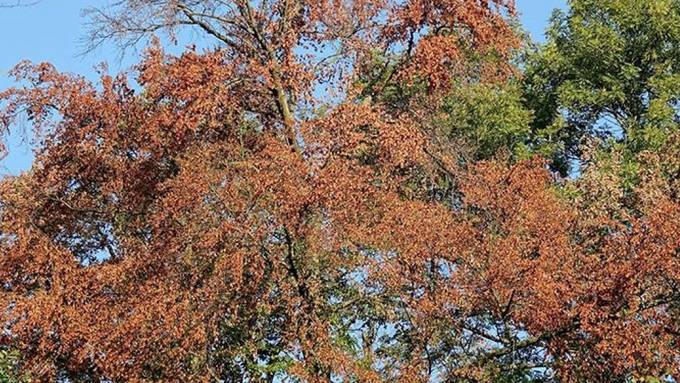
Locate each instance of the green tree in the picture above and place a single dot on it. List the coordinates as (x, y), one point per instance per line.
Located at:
(490, 117)
(609, 69)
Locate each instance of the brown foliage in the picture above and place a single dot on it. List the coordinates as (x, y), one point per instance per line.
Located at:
(199, 228)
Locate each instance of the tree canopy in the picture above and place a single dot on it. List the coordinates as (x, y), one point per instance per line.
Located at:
(350, 191)
(609, 69)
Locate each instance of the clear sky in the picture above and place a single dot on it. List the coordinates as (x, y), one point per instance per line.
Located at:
(53, 30)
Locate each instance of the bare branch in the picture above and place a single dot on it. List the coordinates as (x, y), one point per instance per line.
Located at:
(19, 3)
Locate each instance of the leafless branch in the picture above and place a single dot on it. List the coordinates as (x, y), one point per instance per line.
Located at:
(18, 3)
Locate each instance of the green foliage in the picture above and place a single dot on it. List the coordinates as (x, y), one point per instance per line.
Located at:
(608, 66)
(491, 117)
(9, 367)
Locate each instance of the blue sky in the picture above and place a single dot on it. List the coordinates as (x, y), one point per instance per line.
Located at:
(53, 29)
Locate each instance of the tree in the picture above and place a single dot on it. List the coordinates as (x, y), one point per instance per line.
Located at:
(216, 219)
(609, 69)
